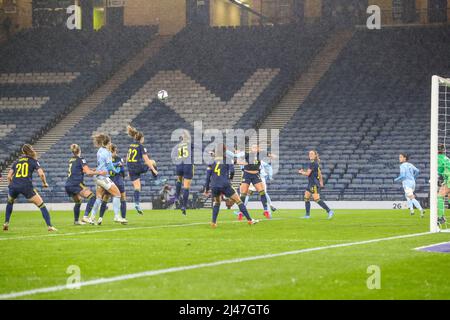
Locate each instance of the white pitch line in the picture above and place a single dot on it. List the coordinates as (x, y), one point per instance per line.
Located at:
(120, 229)
(431, 245)
(152, 273)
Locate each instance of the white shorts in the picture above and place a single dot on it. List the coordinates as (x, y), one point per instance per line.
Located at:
(409, 192)
(263, 179)
(103, 182)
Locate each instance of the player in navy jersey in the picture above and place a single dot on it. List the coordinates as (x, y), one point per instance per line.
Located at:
(218, 179)
(252, 166)
(138, 163)
(75, 187)
(182, 156)
(119, 180)
(315, 183)
(20, 182)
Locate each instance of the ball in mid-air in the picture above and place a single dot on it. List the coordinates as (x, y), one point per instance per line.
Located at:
(162, 95)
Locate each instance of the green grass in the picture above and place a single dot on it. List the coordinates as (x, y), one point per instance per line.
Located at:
(31, 258)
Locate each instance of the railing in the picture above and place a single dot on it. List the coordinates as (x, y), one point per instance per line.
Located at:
(420, 16)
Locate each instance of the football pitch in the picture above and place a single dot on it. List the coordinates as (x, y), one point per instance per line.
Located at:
(164, 255)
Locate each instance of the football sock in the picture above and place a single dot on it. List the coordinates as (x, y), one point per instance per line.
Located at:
(323, 205)
(244, 211)
(410, 205)
(9, 210)
(123, 208)
(417, 204)
(178, 189)
(137, 197)
(45, 214)
(89, 205)
(76, 211)
(247, 199)
(308, 207)
(262, 194)
(243, 196)
(269, 201)
(216, 209)
(185, 197)
(103, 208)
(116, 207)
(441, 206)
(95, 207)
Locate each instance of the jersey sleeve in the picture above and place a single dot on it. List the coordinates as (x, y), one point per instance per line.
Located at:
(143, 149)
(13, 166)
(83, 162)
(36, 164)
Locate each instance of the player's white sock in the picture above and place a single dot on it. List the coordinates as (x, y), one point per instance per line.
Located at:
(247, 198)
(97, 204)
(417, 204)
(410, 205)
(269, 202)
(116, 207)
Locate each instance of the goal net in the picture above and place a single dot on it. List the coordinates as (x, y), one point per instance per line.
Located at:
(440, 139)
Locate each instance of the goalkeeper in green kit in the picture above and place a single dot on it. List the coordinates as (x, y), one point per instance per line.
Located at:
(444, 189)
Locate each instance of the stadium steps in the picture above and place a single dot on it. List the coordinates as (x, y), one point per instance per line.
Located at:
(43, 144)
(300, 90)
(237, 179)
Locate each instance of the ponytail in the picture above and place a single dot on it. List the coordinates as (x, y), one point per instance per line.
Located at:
(28, 150)
(75, 149)
(134, 133)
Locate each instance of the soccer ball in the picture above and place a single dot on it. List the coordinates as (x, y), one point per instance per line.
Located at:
(162, 95)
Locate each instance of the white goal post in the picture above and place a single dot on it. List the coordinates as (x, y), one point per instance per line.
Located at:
(440, 114)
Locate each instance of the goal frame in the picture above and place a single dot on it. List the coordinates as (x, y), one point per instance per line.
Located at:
(436, 81)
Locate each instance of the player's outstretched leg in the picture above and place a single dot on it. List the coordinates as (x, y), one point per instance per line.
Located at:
(323, 205)
(243, 209)
(326, 208)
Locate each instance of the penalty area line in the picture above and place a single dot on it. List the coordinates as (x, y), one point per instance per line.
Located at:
(152, 273)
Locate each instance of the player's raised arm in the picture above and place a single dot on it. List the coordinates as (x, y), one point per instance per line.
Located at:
(149, 163)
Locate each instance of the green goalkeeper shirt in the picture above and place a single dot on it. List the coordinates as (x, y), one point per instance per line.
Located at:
(444, 166)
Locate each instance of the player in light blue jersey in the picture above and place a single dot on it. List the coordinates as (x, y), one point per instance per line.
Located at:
(104, 183)
(408, 175)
